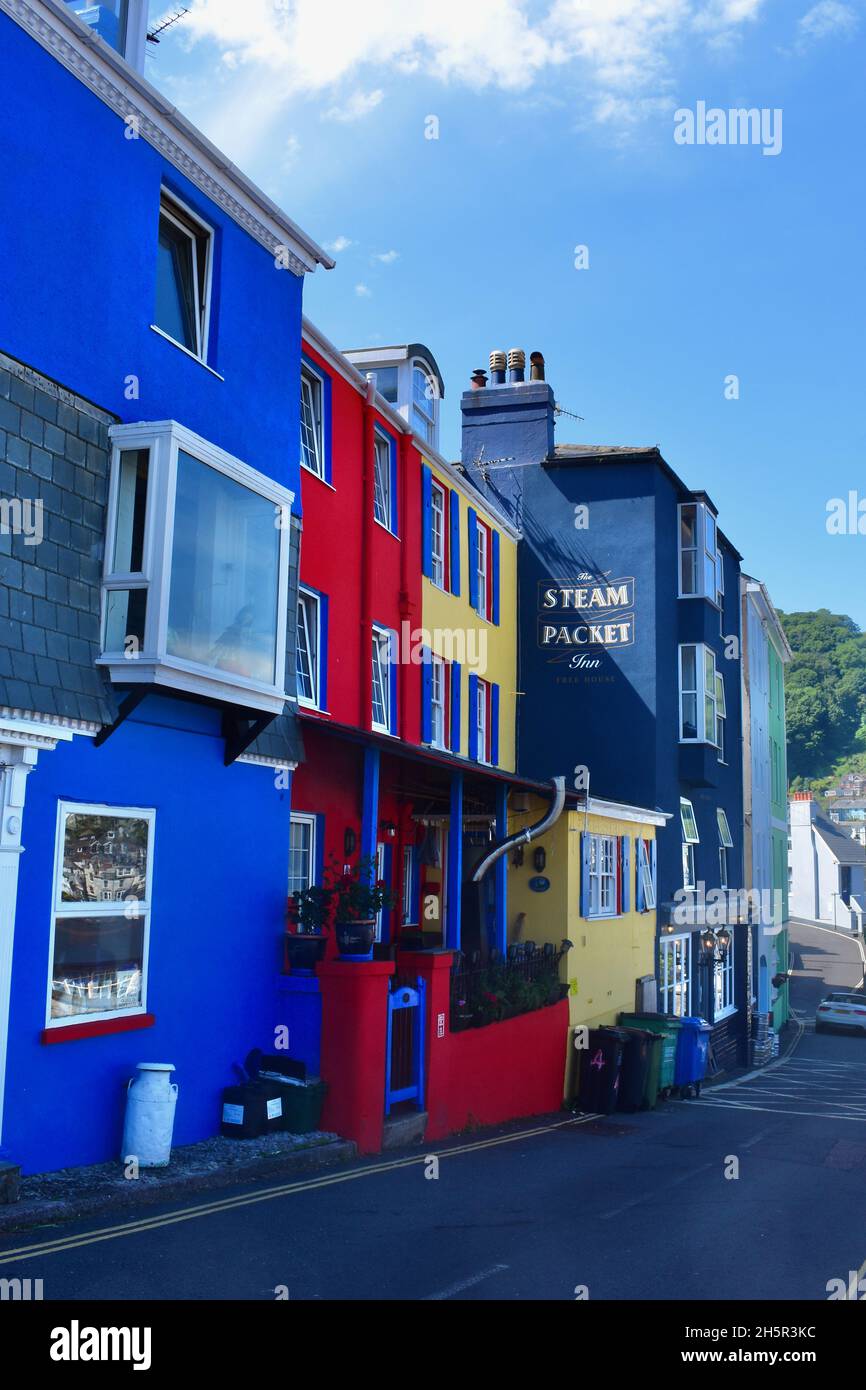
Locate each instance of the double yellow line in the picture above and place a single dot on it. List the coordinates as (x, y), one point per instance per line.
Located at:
(269, 1194)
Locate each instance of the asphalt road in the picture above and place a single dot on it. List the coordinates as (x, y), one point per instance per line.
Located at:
(638, 1207)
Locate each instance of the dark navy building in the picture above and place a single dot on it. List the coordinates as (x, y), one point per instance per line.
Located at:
(629, 628)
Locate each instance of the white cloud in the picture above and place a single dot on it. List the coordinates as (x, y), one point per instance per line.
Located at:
(386, 257)
(363, 292)
(825, 18)
(303, 48)
(340, 243)
(291, 150)
(358, 105)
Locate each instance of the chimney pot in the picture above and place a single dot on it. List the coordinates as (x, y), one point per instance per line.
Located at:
(536, 366)
(498, 363)
(516, 364)
(479, 379)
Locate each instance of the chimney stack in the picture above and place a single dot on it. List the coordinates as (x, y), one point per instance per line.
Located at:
(516, 364)
(802, 808)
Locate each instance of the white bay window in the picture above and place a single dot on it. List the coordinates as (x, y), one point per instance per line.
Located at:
(702, 695)
(196, 575)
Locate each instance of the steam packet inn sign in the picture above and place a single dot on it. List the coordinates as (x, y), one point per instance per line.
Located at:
(584, 614)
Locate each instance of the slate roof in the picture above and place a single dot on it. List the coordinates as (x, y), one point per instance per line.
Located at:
(841, 846)
(53, 451)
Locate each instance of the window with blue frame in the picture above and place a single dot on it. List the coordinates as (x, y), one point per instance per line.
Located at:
(645, 874)
(483, 567)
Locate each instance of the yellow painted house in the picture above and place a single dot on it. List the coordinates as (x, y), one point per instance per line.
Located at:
(469, 613)
(599, 861)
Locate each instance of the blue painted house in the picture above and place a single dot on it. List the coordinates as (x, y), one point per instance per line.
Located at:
(629, 628)
(150, 341)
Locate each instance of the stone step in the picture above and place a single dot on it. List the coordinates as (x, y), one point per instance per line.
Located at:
(405, 1128)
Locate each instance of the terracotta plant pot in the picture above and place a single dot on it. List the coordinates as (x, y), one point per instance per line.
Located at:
(355, 939)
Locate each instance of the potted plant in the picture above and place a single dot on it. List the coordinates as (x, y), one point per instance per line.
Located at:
(308, 911)
(358, 898)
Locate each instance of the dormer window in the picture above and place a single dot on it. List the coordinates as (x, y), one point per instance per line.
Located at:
(423, 404)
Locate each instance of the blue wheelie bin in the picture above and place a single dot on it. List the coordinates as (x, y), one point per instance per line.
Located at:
(692, 1048)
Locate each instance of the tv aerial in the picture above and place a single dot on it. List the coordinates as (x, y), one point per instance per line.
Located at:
(167, 23)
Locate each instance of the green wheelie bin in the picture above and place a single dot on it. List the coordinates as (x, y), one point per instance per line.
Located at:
(667, 1026)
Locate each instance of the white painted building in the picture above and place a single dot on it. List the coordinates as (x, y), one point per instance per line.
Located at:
(827, 868)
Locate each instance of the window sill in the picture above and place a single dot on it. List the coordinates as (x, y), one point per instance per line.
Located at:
(725, 1013)
(96, 1028)
(386, 529)
(185, 350)
(170, 675)
(318, 477)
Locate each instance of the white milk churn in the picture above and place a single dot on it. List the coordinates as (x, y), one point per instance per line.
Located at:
(151, 1097)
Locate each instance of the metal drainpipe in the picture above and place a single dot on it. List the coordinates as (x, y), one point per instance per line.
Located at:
(365, 720)
(523, 837)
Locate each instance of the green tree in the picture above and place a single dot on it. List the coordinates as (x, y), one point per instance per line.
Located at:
(825, 696)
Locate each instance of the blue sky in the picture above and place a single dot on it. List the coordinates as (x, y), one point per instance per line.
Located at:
(556, 129)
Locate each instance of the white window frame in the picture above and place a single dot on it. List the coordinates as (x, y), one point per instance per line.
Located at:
(169, 206)
(723, 983)
(304, 818)
(380, 874)
(409, 914)
(382, 500)
(310, 608)
(725, 837)
(61, 909)
(603, 875)
(164, 440)
(705, 694)
(437, 538)
(680, 949)
(706, 530)
(721, 717)
(644, 865)
(428, 410)
(382, 640)
(482, 705)
(438, 677)
(482, 563)
(723, 866)
(313, 385)
(691, 837)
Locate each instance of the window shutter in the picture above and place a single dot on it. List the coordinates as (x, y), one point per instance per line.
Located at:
(455, 706)
(473, 717)
(653, 872)
(638, 877)
(472, 535)
(323, 651)
(392, 682)
(426, 521)
(625, 843)
(494, 723)
(319, 857)
(454, 542)
(495, 575)
(426, 696)
(584, 874)
(395, 516)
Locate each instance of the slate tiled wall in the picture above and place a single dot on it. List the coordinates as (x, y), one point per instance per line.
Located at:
(54, 451)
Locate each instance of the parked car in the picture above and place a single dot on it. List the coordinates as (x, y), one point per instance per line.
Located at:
(842, 1009)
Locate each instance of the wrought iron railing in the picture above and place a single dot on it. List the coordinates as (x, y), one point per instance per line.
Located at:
(503, 987)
